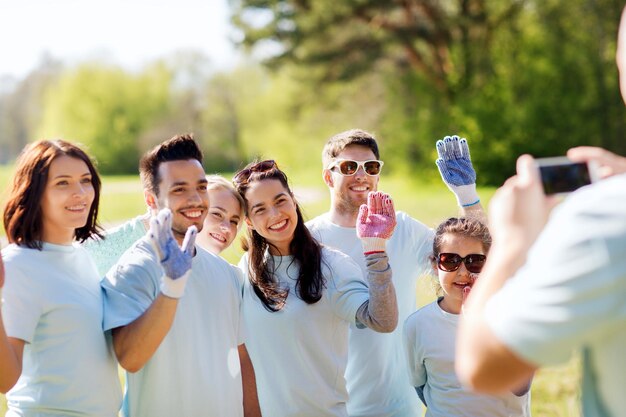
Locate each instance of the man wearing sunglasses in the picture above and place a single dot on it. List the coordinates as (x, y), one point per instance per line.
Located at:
(555, 282)
(377, 377)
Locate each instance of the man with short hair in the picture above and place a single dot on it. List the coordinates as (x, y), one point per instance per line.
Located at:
(175, 312)
(377, 376)
(554, 282)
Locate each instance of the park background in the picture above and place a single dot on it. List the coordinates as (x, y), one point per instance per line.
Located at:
(513, 76)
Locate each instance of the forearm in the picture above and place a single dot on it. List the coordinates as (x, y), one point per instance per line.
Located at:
(483, 361)
(10, 359)
(136, 342)
(380, 312)
(251, 406)
(475, 210)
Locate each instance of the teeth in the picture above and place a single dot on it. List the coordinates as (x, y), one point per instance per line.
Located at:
(77, 208)
(218, 237)
(278, 225)
(193, 214)
(359, 188)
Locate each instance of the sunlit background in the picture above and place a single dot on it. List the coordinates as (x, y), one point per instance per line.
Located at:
(276, 78)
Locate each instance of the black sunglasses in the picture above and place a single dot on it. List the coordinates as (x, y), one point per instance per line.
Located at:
(450, 262)
(261, 166)
(348, 167)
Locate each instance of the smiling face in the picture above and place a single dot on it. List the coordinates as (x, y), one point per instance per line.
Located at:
(349, 192)
(222, 221)
(453, 282)
(66, 200)
(182, 189)
(272, 214)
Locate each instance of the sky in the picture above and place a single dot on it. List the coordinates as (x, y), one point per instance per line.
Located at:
(126, 32)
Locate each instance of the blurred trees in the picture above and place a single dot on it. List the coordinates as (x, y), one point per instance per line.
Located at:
(513, 76)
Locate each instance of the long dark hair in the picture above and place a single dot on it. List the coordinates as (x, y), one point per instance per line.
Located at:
(22, 211)
(306, 251)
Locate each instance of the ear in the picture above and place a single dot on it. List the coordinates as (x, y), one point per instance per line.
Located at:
(150, 199)
(328, 178)
(249, 223)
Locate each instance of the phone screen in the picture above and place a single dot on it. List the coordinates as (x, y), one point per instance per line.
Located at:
(564, 178)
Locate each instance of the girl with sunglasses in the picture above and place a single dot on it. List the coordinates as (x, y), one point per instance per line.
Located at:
(460, 248)
(300, 298)
(55, 359)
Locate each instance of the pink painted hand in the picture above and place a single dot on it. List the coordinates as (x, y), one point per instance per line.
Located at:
(376, 222)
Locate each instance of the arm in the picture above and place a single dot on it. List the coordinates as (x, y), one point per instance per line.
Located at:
(251, 406)
(375, 224)
(136, 342)
(11, 350)
(518, 213)
(380, 312)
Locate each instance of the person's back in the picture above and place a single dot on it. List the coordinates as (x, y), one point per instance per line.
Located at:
(583, 288)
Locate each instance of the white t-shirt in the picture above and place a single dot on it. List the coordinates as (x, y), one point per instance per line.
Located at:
(376, 373)
(429, 342)
(106, 252)
(571, 295)
(300, 352)
(53, 301)
(196, 370)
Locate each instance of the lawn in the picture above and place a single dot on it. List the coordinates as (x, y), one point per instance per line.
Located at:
(555, 390)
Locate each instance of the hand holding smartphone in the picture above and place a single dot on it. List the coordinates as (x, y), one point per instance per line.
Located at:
(560, 175)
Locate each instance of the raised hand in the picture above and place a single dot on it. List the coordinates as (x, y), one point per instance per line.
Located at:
(176, 261)
(455, 167)
(376, 222)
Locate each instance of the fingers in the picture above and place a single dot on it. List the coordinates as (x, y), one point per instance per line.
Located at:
(527, 172)
(464, 147)
(388, 209)
(363, 213)
(441, 149)
(190, 240)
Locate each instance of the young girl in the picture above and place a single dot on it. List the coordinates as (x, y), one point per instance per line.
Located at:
(54, 357)
(300, 298)
(460, 248)
(224, 217)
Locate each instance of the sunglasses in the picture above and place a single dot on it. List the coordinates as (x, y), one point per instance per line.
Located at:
(261, 166)
(450, 262)
(348, 167)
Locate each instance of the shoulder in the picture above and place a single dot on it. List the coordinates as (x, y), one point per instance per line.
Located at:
(405, 221)
(318, 222)
(420, 314)
(334, 257)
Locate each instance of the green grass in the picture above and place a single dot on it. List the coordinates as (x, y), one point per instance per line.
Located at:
(555, 390)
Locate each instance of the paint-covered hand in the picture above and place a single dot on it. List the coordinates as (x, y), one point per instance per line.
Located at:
(176, 261)
(376, 222)
(457, 172)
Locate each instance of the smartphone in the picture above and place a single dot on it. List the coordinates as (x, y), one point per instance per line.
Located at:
(560, 175)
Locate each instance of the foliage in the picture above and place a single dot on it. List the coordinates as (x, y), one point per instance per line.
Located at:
(106, 109)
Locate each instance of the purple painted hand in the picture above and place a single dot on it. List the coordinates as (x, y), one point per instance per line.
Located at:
(376, 222)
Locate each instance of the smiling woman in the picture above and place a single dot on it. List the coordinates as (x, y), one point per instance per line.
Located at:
(52, 302)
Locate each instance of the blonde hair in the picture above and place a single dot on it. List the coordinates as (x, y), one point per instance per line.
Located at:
(217, 182)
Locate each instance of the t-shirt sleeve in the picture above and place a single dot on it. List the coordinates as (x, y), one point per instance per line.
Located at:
(419, 237)
(413, 351)
(570, 292)
(237, 277)
(22, 305)
(345, 285)
(130, 287)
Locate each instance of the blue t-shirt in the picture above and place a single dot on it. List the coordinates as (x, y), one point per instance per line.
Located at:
(53, 301)
(376, 374)
(195, 370)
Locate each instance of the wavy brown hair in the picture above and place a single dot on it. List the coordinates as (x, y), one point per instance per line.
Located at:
(22, 211)
(306, 251)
